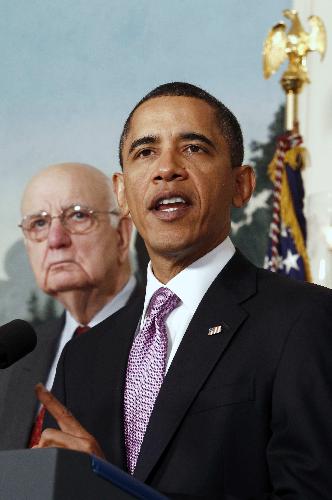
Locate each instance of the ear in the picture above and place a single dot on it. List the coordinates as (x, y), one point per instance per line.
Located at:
(124, 231)
(245, 182)
(120, 191)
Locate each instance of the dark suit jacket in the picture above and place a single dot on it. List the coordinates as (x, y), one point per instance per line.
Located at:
(245, 413)
(18, 404)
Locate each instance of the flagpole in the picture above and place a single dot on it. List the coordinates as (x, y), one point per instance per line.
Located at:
(292, 88)
(287, 252)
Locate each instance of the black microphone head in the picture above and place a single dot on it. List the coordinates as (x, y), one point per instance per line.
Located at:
(17, 339)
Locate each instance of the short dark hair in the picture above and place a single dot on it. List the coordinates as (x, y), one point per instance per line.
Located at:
(229, 126)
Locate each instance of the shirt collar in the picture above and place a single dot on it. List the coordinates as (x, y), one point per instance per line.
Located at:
(191, 284)
(110, 308)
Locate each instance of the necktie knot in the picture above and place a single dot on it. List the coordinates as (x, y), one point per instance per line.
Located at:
(81, 329)
(162, 303)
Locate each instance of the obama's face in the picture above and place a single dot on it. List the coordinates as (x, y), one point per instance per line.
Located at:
(178, 182)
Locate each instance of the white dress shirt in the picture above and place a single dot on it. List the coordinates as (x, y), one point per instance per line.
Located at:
(71, 324)
(190, 285)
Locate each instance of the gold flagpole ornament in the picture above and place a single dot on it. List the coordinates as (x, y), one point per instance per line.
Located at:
(294, 45)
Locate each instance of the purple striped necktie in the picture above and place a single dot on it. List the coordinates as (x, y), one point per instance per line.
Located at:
(146, 371)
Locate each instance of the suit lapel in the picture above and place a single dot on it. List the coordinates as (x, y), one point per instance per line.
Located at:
(196, 357)
(18, 401)
(112, 355)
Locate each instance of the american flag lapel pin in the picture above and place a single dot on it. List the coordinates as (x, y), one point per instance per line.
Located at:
(214, 330)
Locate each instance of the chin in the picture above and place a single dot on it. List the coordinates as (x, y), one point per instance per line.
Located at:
(55, 287)
(65, 281)
(172, 248)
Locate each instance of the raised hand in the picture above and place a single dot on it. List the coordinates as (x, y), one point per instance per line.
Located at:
(72, 435)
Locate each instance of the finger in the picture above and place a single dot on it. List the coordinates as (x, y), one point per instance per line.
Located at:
(51, 438)
(66, 421)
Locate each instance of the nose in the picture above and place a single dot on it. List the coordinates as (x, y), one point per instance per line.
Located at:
(58, 236)
(169, 168)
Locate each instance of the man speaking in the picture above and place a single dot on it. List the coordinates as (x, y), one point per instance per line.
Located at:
(219, 384)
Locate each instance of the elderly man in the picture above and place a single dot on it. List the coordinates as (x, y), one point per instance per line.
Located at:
(78, 249)
(224, 389)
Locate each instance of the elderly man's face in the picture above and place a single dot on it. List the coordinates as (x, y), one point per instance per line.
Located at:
(178, 182)
(65, 261)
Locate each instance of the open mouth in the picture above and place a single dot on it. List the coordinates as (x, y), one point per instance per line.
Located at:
(169, 202)
(170, 206)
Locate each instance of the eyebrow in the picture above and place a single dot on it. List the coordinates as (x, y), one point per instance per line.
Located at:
(147, 139)
(153, 139)
(35, 214)
(193, 136)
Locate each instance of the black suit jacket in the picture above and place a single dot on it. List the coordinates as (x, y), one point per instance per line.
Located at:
(18, 404)
(245, 413)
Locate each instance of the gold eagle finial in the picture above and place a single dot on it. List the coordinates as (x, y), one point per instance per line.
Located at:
(294, 45)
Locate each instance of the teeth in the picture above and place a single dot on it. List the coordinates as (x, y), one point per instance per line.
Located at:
(166, 201)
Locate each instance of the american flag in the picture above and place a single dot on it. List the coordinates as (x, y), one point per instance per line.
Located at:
(287, 238)
(214, 330)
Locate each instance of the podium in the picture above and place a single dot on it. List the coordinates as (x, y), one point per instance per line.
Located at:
(58, 474)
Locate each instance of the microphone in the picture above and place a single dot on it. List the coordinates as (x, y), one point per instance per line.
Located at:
(17, 338)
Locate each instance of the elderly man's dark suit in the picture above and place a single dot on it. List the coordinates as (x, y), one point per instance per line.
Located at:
(245, 413)
(18, 404)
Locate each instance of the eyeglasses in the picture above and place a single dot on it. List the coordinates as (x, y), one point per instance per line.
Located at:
(77, 219)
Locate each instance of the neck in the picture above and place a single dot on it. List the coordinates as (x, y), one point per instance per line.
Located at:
(165, 267)
(84, 304)
(164, 270)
